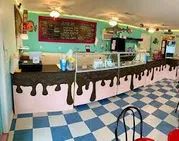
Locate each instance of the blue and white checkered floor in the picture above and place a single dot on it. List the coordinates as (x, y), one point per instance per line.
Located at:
(97, 121)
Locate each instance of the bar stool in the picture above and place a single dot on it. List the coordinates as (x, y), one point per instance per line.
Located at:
(123, 114)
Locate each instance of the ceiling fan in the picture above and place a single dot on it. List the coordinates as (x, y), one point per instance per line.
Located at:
(59, 6)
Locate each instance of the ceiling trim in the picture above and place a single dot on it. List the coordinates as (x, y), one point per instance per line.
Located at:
(95, 19)
(87, 18)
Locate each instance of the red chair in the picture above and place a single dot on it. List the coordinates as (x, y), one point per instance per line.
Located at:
(122, 114)
(173, 135)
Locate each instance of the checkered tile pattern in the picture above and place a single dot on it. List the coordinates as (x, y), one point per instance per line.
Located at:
(97, 120)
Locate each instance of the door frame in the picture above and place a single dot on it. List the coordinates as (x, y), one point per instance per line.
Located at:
(1, 81)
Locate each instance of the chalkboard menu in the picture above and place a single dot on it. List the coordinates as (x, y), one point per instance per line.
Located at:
(66, 30)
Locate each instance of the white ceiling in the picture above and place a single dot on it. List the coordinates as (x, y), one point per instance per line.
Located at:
(152, 13)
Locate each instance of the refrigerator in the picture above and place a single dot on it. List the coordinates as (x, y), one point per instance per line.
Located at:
(117, 44)
(168, 48)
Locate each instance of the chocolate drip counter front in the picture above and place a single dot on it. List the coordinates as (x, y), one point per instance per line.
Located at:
(49, 90)
(95, 85)
(53, 90)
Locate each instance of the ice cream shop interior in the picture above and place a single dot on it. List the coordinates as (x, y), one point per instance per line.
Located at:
(85, 70)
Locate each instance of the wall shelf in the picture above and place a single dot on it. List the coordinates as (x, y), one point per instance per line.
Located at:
(134, 39)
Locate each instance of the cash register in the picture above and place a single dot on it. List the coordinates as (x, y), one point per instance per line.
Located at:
(31, 63)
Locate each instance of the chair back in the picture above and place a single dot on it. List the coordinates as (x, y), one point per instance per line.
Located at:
(122, 115)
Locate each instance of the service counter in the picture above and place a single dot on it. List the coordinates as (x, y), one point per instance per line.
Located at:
(54, 90)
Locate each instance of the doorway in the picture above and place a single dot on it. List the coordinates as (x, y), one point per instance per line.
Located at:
(1, 126)
(1, 82)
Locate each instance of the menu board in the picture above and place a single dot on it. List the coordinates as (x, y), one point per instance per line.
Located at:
(66, 30)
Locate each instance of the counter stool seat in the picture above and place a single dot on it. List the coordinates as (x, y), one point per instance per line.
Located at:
(173, 135)
(144, 139)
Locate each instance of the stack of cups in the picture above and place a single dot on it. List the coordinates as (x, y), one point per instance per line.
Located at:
(63, 64)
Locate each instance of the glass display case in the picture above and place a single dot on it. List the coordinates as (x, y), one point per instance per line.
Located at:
(127, 59)
(86, 62)
(96, 61)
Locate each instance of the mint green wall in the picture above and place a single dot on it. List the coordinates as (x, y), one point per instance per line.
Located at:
(136, 33)
(35, 45)
(102, 45)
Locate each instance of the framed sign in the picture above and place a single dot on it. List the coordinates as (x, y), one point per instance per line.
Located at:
(66, 30)
(18, 21)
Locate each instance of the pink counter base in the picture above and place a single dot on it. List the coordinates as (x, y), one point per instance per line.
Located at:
(56, 100)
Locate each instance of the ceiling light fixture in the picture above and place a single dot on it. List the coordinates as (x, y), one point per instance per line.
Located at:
(24, 36)
(54, 14)
(112, 23)
(151, 30)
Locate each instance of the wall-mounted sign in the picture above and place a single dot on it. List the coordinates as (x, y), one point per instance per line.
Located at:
(18, 21)
(66, 30)
(29, 26)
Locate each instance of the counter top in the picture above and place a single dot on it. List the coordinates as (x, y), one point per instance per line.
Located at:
(47, 68)
(55, 69)
(173, 58)
(132, 76)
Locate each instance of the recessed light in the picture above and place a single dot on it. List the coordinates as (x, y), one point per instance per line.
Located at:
(24, 36)
(127, 13)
